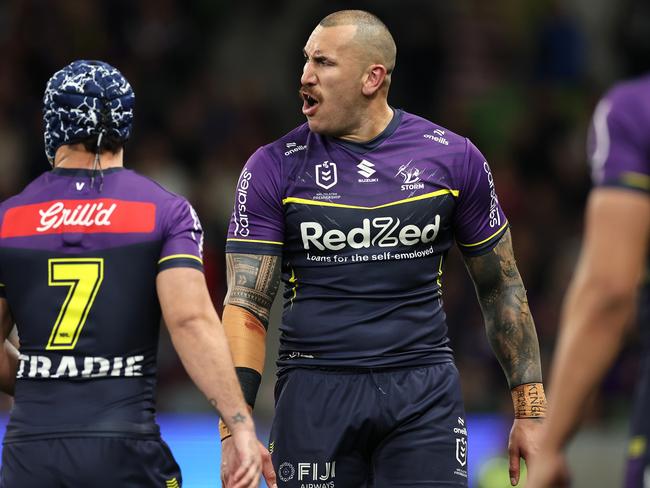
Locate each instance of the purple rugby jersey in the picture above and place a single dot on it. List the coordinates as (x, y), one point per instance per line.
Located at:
(363, 231)
(619, 138)
(78, 268)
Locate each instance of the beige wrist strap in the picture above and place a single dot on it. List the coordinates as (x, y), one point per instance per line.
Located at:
(224, 431)
(529, 401)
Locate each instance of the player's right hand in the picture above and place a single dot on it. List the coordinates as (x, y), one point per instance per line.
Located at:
(549, 470)
(243, 457)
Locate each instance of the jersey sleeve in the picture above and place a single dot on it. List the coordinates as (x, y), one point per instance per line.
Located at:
(257, 222)
(618, 144)
(183, 237)
(479, 222)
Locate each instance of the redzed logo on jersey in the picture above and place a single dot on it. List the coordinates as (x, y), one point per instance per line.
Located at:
(88, 216)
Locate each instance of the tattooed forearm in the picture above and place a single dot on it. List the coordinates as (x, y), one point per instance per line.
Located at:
(253, 281)
(508, 322)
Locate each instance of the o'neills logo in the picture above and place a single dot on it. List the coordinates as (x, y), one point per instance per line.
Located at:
(88, 216)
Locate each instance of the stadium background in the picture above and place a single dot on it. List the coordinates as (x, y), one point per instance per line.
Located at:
(214, 80)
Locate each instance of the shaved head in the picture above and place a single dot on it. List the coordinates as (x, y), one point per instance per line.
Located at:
(372, 36)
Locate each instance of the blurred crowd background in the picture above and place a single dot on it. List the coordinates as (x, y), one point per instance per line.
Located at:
(216, 79)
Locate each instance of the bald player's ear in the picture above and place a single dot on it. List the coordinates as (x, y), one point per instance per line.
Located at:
(374, 78)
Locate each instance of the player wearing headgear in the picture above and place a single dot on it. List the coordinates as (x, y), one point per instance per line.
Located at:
(90, 253)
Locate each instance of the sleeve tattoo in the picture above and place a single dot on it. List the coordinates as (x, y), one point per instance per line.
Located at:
(508, 321)
(253, 281)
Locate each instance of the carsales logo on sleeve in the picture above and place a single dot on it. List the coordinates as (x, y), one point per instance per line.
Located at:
(241, 196)
(495, 218)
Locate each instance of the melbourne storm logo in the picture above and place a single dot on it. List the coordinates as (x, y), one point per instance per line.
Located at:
(326, 176)
(410, 176)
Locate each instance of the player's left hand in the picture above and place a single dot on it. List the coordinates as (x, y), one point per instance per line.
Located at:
(549, 471)
(523, 443)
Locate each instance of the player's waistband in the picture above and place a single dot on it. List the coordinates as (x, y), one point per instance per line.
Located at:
(356, 369)
(17, 433)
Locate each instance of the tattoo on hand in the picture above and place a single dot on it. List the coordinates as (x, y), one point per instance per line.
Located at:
(253, 281)
(238, 418)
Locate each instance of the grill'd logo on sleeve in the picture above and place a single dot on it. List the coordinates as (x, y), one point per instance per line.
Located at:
(380, 231)
(87, 216)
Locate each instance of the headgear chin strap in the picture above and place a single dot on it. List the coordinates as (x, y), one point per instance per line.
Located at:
(84, 99)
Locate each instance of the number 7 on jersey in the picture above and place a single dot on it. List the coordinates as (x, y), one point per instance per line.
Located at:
(84, 277)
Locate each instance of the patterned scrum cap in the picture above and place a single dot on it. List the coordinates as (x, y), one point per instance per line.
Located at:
(85, 99)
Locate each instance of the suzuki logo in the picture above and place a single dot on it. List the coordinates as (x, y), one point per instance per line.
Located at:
(326, 175)
(365, 168)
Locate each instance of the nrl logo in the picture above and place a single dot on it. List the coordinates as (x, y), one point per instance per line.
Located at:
(326, 176)
(461, 451)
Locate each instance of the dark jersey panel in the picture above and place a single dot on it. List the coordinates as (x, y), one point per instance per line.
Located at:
(363, 230)
(79, 271)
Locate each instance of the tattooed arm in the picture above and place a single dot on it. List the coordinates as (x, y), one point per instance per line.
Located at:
(511, 333)
(253, 282)
(199, 339)
(508, 322)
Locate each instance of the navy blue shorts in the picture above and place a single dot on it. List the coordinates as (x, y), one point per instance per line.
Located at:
(97, 462)
(383, 428)
(637, 473)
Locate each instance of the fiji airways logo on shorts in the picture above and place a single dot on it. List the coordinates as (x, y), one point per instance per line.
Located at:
(326, 176)
(311, 475)
(410, 177)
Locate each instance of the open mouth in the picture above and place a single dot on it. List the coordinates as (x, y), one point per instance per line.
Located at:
(309, 103)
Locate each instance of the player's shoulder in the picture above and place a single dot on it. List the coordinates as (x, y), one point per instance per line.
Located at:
(632, 94)
(30, 193)
(147, 187)
(432, 132)
(292, 143)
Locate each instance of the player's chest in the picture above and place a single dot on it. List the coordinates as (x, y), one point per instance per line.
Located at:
(365, 180)
(364, 203)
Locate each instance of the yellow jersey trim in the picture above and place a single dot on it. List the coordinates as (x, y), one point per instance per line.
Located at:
(305, 201)
(485, 240)
(637, 446)
(637, 180)
(254, 240)
(172, 483)
(180, 256)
